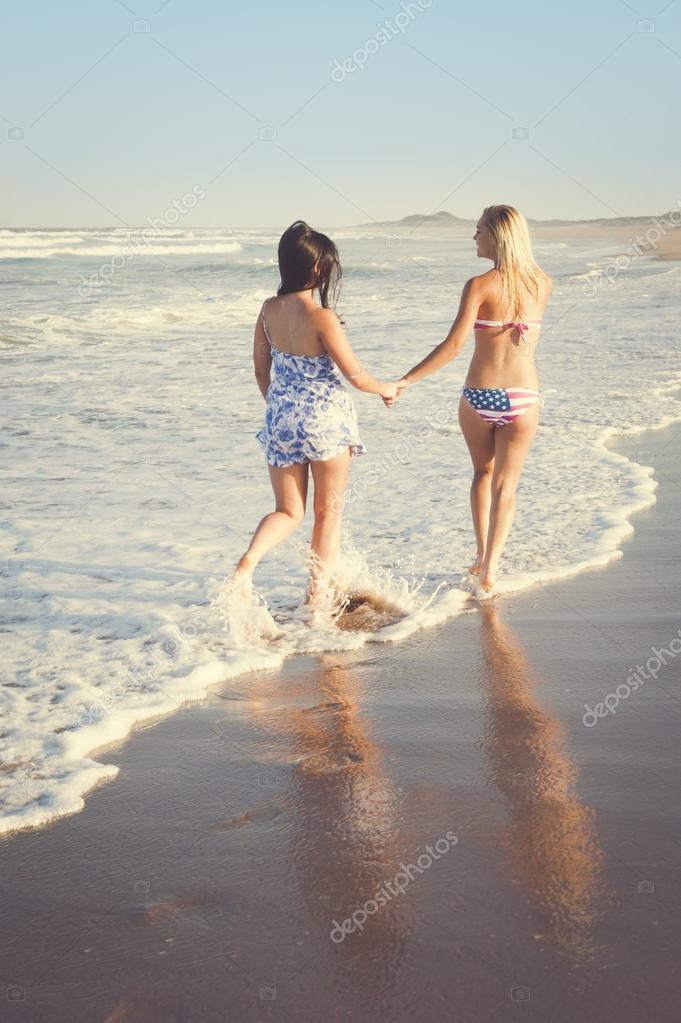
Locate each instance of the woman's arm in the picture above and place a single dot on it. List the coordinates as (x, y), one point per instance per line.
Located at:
(336, 344)
(471, 297)
(262, 357)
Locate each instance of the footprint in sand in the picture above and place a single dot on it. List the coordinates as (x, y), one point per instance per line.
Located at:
(331, 705)
(203, 903)
(260, 814)
(367, 612)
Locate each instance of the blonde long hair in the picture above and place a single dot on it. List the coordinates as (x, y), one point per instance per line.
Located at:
(513, 256)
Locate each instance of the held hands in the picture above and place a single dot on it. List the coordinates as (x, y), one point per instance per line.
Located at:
(388, 393)
(392, 392)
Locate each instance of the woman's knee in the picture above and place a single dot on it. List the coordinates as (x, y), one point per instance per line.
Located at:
(329, 512)
(296, 513)
(483, 473)
(504, 487)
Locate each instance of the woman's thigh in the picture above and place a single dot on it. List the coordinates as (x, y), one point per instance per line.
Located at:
(290, 488)
(330, 480)
(478, 434)
(512, 445)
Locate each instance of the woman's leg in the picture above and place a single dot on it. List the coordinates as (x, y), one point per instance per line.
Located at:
(479, 437)
(290, 494)
(512, 442)
(330, 480)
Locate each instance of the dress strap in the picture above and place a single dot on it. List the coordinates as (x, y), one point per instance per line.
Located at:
(264, 323)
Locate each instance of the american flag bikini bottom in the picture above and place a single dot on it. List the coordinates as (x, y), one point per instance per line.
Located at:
(502, 405)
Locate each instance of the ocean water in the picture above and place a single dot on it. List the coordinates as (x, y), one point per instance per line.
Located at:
(133, 479)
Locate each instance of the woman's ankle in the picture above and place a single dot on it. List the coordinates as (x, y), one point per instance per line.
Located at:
(477, 562)
(245, 567)
(488, 572)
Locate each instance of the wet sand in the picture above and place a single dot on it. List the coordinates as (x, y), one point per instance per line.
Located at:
(642, 236)
(668, 248)
(203, 883)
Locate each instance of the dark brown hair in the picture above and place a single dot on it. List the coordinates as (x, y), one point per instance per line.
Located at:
(308, 259)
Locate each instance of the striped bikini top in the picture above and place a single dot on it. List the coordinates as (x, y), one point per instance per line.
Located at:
(521, 326)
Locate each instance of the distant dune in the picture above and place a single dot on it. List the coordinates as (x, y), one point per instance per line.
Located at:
(443, 218)
(624, 231)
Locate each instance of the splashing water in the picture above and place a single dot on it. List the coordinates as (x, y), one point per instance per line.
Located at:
(246, 616)
(94, 599)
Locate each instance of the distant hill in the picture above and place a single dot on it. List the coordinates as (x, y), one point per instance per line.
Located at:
(601, 221)
(440, 219)
(444, 219)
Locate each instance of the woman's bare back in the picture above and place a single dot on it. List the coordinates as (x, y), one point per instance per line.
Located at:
(292, 322)
(502, 356)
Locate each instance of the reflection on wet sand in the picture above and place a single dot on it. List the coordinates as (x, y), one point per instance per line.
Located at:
(552, 837)
(345, 839)
(344, 816)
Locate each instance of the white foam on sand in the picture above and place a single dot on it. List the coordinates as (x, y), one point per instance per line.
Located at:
(138, 481)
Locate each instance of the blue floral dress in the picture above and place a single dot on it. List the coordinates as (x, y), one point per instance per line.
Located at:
(310, 416)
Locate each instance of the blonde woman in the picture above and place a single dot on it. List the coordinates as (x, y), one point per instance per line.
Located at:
(499, 407)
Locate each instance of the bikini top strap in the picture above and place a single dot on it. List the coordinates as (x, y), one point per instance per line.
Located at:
(264, 323)
(522, 329)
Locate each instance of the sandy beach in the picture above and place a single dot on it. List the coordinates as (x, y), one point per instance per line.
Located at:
(669, 247)
(418, 802)
(528, 862)
(656, 237)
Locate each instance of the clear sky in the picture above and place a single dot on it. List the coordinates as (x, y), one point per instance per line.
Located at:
(563, 109)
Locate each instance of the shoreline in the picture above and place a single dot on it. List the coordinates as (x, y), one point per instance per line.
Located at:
(197, 686)
(215, 866)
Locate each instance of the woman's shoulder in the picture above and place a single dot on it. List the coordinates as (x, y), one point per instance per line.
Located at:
(325, 318)
(265, 305)
(480, 286)
(324, 312)
(484, 281)
(546, 280)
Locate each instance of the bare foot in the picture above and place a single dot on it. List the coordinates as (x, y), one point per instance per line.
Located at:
(476, 566)
(327, 601)
(244, 570)
(487, 582)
